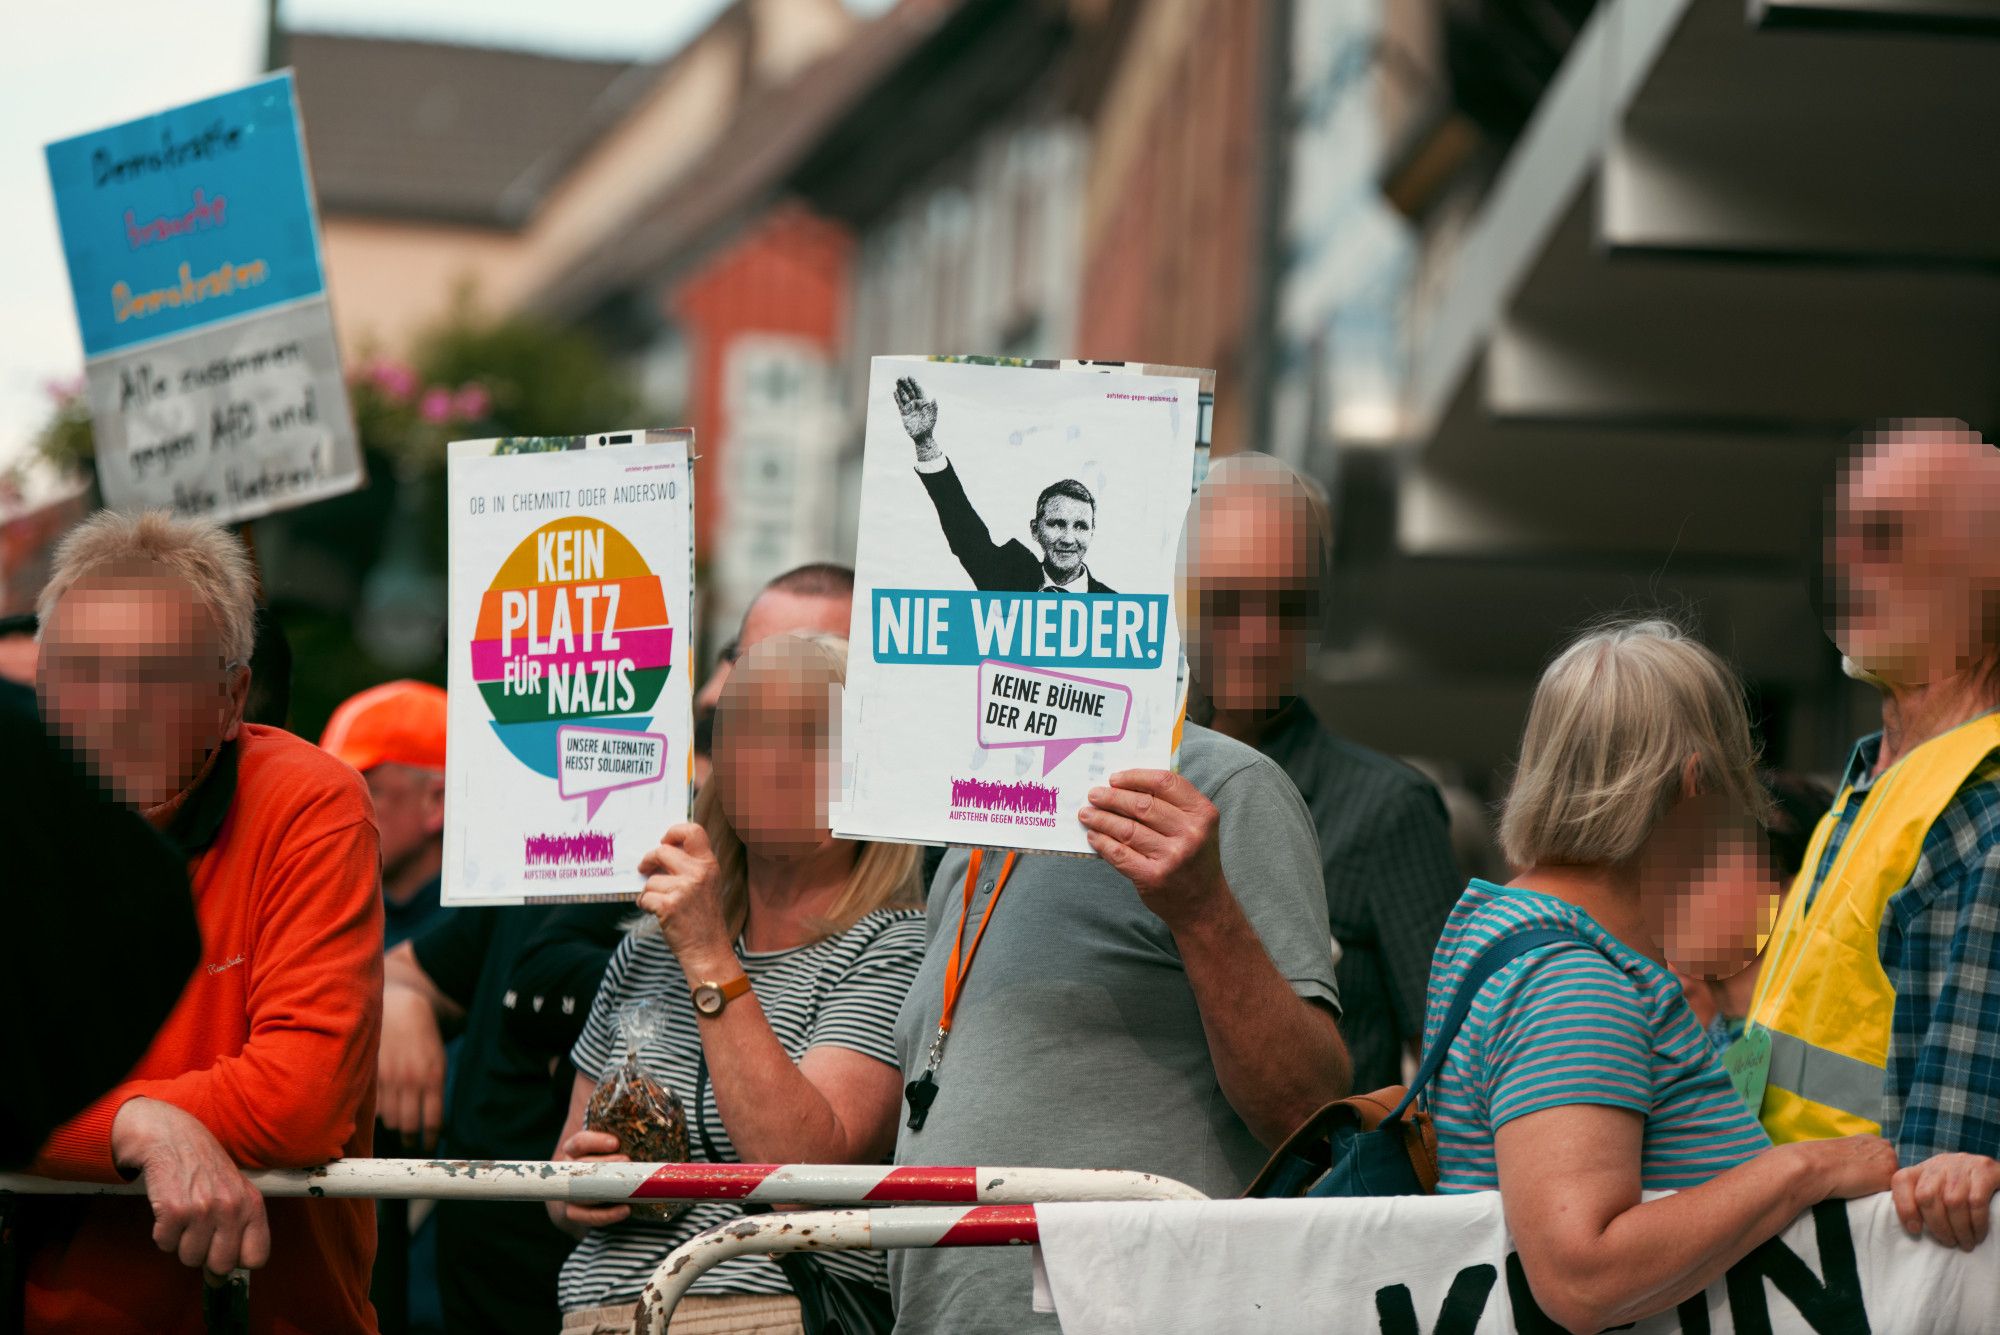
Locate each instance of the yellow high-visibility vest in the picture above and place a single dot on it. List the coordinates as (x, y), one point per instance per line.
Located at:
(1822, 994)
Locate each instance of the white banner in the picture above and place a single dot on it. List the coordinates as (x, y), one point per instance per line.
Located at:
(1013, 640)
(572, 574)
(229, 422)
(1446, 1265)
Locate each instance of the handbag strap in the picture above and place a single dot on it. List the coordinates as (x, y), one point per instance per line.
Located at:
(1492, 960)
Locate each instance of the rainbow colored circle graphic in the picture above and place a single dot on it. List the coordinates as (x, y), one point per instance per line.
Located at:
(572, 630)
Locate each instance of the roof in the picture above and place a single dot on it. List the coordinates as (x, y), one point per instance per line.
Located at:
(446, 132)
(770, 139)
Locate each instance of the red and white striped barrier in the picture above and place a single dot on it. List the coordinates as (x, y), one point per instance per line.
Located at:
(602, 1183)
(833, 1230)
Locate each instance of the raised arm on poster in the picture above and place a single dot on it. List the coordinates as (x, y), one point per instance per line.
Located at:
(209, 353)
(1013, 638)
(572, 576)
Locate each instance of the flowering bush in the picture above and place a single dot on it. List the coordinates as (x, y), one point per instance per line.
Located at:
(65, 440)
(402, 416)
(468, 377)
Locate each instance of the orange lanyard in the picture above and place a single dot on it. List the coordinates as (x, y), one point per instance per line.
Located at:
(921, 1091)
(960, 962)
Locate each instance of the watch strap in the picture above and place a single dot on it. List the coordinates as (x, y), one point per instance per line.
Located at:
(725, 992)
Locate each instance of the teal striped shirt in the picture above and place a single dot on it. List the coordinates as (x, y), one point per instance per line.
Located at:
(1566, 1024)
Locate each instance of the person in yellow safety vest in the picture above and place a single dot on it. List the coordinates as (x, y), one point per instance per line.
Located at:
(1878, 1006)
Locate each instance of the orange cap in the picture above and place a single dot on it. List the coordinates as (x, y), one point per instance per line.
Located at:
(399, 722)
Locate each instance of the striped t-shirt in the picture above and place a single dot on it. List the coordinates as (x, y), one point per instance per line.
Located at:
(1567, 1024)
(842, 992)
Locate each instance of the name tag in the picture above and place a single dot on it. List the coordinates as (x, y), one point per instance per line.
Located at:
(1748, 1061)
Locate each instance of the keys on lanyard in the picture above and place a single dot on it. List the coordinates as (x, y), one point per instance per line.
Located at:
(923, 1091)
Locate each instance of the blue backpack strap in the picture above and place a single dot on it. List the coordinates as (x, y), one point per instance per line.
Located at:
(1492, 960)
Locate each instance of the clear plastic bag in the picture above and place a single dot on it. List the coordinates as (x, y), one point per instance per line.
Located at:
(649, 1121)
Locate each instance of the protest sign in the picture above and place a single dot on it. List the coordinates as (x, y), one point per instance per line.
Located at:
(209, 353)
(572, 572)
(1013, 639)
(1447, 1265)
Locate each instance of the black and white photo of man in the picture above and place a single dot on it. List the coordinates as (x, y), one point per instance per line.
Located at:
(1064, 522)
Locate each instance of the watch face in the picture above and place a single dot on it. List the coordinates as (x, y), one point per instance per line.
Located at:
(708, 999)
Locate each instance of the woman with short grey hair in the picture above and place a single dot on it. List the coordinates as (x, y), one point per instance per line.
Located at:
(1581, 1078)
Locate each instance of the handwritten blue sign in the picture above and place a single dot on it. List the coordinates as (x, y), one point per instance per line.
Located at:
(187, 218)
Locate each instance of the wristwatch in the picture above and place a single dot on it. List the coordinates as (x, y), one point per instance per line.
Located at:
(711, 997)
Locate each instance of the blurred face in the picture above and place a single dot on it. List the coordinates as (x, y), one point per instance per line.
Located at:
(132, 673)
(1708, 889)
(409, 812)
(1915, 584)
(1063, 530)
(1254, 582)
(775, 745)
(775, 612)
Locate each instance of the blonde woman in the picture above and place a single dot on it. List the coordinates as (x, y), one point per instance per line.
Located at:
(1582, 1078)
(783, 955)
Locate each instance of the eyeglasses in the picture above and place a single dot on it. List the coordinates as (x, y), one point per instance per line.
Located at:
(154, 671)
(1292, 605)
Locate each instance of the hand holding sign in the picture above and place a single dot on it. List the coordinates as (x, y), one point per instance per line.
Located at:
(1159, 832)
(683, 891)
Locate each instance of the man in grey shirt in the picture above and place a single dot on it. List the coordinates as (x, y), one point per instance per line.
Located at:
(1168, 1006)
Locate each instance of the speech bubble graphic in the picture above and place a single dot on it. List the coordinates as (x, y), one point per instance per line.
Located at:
(1057, 711)
(593, 763)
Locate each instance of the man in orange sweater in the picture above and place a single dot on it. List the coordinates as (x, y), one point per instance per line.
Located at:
(268, 1059)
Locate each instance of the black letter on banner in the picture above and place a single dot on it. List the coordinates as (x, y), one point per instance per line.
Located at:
(1830, 1307)
(1529, 1319)
(1463, 1305)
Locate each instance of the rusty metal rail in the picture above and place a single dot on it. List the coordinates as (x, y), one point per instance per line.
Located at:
(605, 1183)
(833, 1230)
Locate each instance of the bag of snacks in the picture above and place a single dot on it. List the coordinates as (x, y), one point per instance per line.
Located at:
(644, 1114)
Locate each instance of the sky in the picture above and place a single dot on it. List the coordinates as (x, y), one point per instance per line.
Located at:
(81, 65)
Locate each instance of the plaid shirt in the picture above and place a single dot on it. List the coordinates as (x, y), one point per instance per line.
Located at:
(1391, 881)
(1940, 946)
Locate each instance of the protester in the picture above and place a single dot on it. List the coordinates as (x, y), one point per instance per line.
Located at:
(1906, 1040)
(782, 954)
(394, 735)
(1167, 1006)
(1762, 869)
(518, 982)
(1257, 556)
(568, 952)
(1580, 1078)
(18, 649)
(266, 1062)
(50, 807)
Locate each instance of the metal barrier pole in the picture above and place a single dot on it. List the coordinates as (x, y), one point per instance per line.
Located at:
(1001, 1200)
(827, 1230)
(600, 1183)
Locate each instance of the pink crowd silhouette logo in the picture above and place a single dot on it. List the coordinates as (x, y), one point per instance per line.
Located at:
(1025, 796)
(552, 850)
